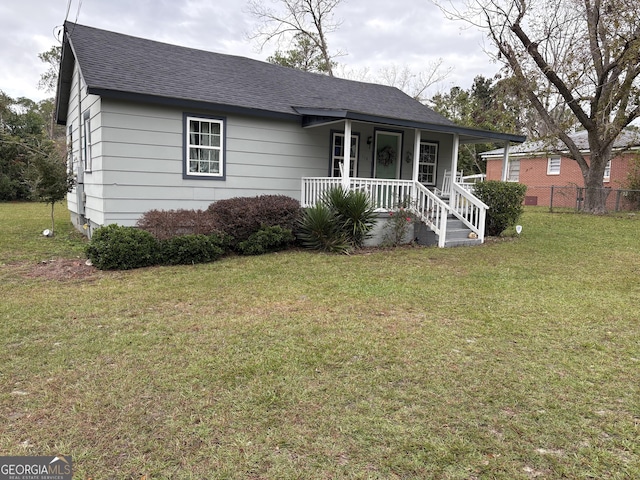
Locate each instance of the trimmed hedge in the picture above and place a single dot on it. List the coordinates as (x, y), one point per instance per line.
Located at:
(122, 248)
(267, 239)
(240, 217)
(164, 224)
(505, 201)
(191, 249)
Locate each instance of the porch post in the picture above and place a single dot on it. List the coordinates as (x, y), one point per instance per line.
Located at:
(505, 162)
(416, 156)
(454, 165)
(346, 166)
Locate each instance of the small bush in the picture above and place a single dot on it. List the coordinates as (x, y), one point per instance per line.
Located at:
(267, 239)
(191, 249)
(319, 230)
(164, 224)
(397, 227)
(505, 204)
(122, 248)
(353, 211)
(241, 217)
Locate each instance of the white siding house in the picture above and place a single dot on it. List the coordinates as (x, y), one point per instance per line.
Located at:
(156, 126)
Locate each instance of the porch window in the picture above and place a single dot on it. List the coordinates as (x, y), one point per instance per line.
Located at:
(204, 147)
(514, 171)
(337, 153)
(427, 163)
(553, 166)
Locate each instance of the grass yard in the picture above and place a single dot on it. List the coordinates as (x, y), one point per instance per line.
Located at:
(517, 359)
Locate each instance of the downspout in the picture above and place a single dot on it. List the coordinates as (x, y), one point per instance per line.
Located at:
(505, 162)
(346, 166)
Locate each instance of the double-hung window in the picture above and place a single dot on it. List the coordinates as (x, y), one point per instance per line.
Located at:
(204, 147)
(427, 163)
(513, 174)
(553, 166)
(607, 172)
(338, 154)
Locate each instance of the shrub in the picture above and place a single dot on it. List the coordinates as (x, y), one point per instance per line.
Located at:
(505, 204)
(122, 248)
(397, 227)
(267, 239)
(354, 213)
(240, 217)
(319, 230)
(191, 249)
(164, 224)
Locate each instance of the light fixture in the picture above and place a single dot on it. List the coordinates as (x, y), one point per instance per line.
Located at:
(369, 140)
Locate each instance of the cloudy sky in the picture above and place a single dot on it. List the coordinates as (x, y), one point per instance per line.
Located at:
(373, 34)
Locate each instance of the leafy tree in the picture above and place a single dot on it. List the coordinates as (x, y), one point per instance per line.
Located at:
(48, 178)
(304, 56)
(49, 79)
(21, 135)
(577, 64)
(487, 105)
(311, 20)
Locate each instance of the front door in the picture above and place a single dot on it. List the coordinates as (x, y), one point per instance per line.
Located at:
(388, 150)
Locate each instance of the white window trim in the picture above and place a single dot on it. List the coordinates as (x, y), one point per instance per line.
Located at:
(549, 165)
(340, 158)
(434, 163)
(607, 172)
(221, 148)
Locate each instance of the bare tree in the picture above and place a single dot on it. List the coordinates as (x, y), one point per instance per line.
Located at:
(414, 84)
(311, 19)
(577, 56)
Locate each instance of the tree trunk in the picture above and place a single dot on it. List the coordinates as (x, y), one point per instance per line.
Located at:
(595, 199)
(52, 221)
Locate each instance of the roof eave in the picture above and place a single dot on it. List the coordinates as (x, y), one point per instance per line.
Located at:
(314, 117)
(189, 104)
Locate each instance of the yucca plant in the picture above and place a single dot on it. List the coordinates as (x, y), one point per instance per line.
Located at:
(320, 230)
(353, 211)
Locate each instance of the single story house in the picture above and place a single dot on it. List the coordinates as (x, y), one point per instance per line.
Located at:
(158, 126)
(539, 165)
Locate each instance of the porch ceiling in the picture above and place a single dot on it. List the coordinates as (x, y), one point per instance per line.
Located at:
(316, 117)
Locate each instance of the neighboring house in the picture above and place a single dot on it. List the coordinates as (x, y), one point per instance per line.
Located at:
(540, 166)
(157, 126)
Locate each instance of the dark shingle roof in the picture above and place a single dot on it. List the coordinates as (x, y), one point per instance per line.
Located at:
(122, 63)
(118, 65)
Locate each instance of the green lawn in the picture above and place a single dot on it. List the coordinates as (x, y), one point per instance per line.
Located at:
(517, 359)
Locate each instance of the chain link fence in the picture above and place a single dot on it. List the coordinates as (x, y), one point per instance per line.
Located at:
(572, 198)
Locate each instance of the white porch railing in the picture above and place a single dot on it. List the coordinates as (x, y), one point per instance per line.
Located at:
(389, 194)
(469, 208)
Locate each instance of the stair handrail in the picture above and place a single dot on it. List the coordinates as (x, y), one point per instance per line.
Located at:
(469, 209)
(431, 210)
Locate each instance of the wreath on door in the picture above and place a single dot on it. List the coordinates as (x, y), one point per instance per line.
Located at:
(386, 155)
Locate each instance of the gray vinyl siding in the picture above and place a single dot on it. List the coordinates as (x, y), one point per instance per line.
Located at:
(142, 160)
(137, 158)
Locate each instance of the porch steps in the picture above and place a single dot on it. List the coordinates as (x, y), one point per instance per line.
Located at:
(458, 234)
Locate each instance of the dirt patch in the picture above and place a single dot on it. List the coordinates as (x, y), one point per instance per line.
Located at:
(62, 269)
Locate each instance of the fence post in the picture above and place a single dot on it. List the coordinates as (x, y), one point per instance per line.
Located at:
(618, 192)
(551, 201)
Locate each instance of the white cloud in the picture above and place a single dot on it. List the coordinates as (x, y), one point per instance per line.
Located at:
(374, 33)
